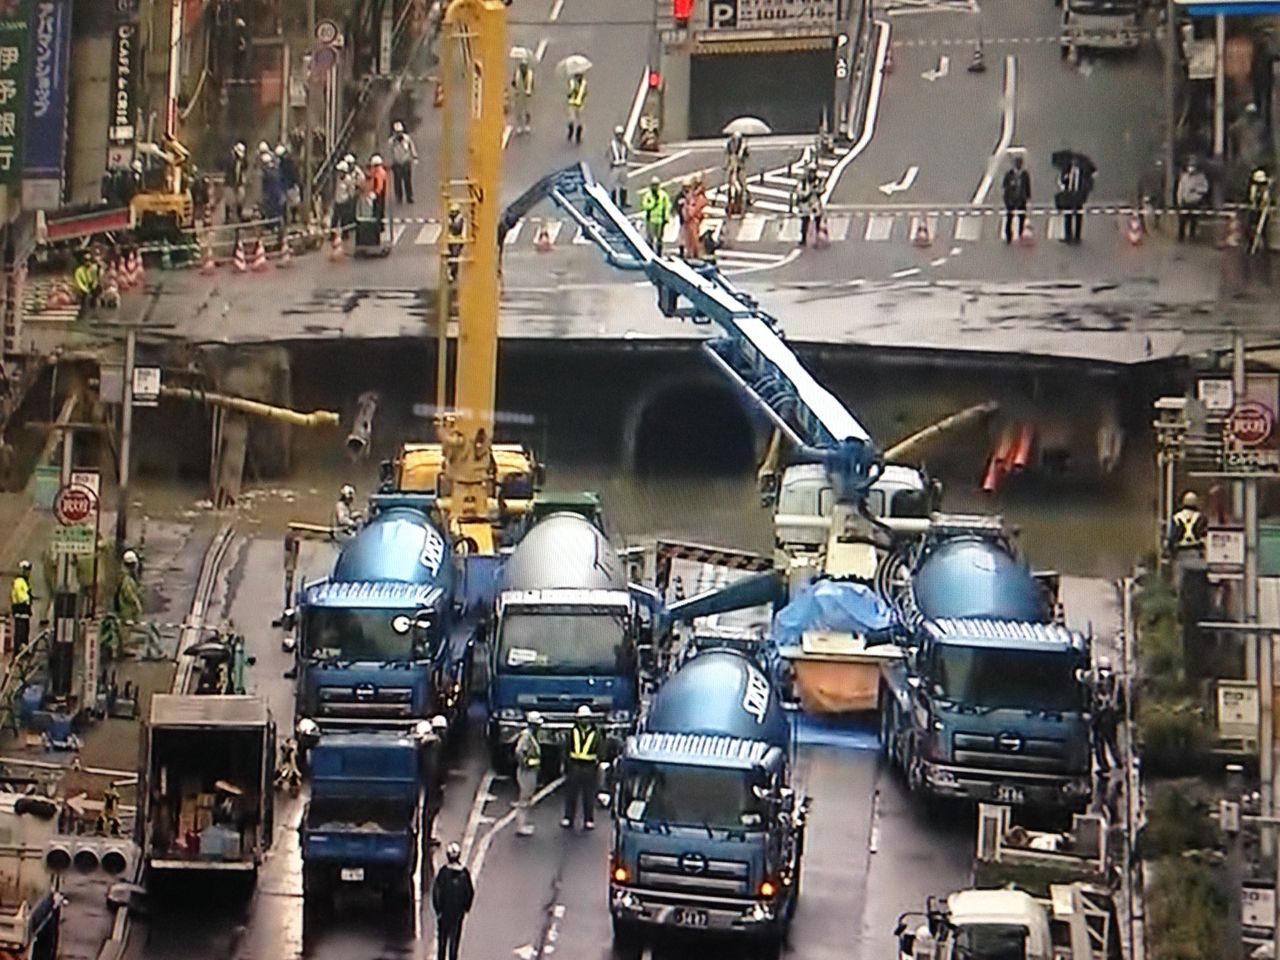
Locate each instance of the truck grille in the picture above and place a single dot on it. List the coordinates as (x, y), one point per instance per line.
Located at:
(1009, 752)
(694, 873)
(366, 700)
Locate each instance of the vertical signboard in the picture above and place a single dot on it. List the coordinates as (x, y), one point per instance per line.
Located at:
(15, 26)
(1250, 439)
(123, 90)
(46, 133)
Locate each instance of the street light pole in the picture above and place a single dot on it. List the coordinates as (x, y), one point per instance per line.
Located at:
(126, 438)
(307, 158)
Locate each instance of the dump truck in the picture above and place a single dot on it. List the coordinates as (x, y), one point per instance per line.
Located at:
(708, 832)
(363, 820)
(30, 907)
(205, 792)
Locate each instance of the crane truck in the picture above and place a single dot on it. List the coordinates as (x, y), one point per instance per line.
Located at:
(709, 828)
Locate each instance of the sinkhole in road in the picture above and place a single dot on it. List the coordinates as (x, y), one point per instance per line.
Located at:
(690, 428)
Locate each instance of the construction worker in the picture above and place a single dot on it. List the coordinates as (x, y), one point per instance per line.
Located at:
(288, 776)
(1192, 191)
(20, 605)
(619, 154)
(234, 173)
(456, 234)
(806, 200)
(528, 755)
(1106, 717)
(109, 820)
(1187, 528)
(378, 184)
(522, 96)
(403, 157)
(434, 773)
(87, 280)
(452, 894)
(581, 765)
(1259, 211)
(655, 202)
(577, 100)
(344, 199)
(346, 519)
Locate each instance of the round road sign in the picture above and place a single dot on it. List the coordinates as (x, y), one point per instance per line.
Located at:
(326, 31)
(73, 505)
(1250, 423)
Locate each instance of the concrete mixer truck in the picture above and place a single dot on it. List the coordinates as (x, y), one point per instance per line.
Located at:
(709, 828)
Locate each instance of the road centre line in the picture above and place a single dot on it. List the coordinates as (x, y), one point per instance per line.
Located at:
(505, 820)
(873, 110)
(556, 9)
(541, 51)
(477, 809)
(1007, 117)
(659, 163)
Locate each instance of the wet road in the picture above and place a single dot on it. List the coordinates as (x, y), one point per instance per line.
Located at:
(871, 854)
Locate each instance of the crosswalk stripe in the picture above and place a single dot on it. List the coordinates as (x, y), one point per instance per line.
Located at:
(397, 231)
(713, 224)
(764, 191)
(1053, 229)
(790, 230)
(771, 205)
(428, 235)
(513, 234)
(930, 223)
(553, 229)
(752, 229)
(969, 228)
(781, 180)
(837, 228)
(828, 161)
(748, 255)
(879, 227)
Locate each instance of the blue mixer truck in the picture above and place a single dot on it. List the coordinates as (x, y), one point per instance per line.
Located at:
(380, 641)
(708, 831)
(363, 820)
(565, 632)
(992, 699)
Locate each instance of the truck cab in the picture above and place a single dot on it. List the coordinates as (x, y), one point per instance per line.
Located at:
(708, 831)
(1101, 25)
(985, 709)
(565, 633)
(981, 925)
(805, 497)
(362, 823)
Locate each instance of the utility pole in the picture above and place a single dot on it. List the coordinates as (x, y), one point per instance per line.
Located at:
(307, 159)
(1229, 822)
(126, 438)
(1170, 101)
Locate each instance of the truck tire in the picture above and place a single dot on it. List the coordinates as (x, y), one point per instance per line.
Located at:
(500, 757)
(397, 896)
(628, 940)
(887, 750)
(317, 892)
(767, 945)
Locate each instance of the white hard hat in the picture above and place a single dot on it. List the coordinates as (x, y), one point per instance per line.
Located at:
(534, 718)
(438, 722)
(343, 166)
(375, 160)
(1259, 176)
(264, 147)
(618, 131)
(136, 166)
(397, 127)
(347, 492)
(453, 852)
(584, 711)
(238, 149)
(130, 558)
(24, 564)
(281, 150)
(349, 158)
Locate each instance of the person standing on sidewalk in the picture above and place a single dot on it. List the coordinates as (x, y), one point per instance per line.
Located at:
(344, 198)
(434, 773)
(452, 894)
(619, 154)
(20, 605)
(577, 102)
(1193, 188)
(522, 96)
(378, 186)
(580, 769)
(403, 157)
(234, 173)
(1016, 188)
(528, 756)
(655, 203)
(806, 200)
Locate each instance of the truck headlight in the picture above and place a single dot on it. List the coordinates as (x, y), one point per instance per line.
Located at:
(510, 713)
(943, 777)
(620, 716)
(308, 728)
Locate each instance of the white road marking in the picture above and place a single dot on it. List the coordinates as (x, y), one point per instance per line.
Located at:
(659, 163)
(752, 229)
(771, 205)
(762, 190)
(541, 50)
(790, 230)
(506, 136)
(873, 841)
(428, 235)
(908, 272)
(670, 232)
(1007, 117)
(581, 238)
(782, 262)
(482, 850)
(553, 229)
(902, 184)
(397, 231)
(513, 234)
(937, 261)
(879, 227)
(633, 118)
(968, 228)
(483, 796)
(556, 8)
(873, 111)
(837, 228)
(780, 179)
(938, 72)
(750, 256)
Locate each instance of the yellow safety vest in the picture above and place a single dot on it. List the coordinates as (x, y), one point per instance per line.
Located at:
(584, 745)
(577, 93)
(1186, 521)
(20, 595)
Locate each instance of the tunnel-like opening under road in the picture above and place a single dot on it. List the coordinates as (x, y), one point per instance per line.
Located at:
(698, 427)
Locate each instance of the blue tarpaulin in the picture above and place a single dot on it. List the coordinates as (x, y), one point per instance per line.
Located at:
(836, 606)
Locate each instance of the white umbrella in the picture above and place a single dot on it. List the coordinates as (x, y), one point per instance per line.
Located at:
(523, 54)
(748, 127)
(573, 65)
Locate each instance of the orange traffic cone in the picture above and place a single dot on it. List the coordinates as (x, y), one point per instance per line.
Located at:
(542, 239)
(336, 249)
(240, 264)
(207, 263)
(920, 236)
(124, 268)
(259, 257)
(1134, 231)
(286, 254)
(137, 276)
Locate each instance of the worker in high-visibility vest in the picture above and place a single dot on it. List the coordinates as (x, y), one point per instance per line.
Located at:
(577, 100)
(528, 755)
(522, 96)
(1187, 528)
(20, 605)
(582, 762)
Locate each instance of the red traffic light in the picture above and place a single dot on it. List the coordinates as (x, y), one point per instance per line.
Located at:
(682, 10)
(655, 80)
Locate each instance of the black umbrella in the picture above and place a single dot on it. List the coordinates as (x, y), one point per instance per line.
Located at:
(1061, 159)
(208, 649)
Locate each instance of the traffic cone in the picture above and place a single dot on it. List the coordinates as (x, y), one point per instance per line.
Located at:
(259, 257)
(542, 239)
(976, 63)
(920, 236)
(137, 275)
(1134, 231)
(207, 264)
(286, 254)
(239, 260)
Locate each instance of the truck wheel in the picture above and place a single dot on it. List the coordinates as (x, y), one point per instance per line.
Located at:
(767, 946)
(886, 731)
(627, 938)
(499, 754)
(317, 893)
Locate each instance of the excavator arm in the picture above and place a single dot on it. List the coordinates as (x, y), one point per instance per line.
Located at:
(749, 347)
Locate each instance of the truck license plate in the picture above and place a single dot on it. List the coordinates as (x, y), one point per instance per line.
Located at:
(352, 874)
(689, 918)
(1007, 794)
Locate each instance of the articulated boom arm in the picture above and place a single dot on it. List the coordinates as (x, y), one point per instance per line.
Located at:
(750, 349)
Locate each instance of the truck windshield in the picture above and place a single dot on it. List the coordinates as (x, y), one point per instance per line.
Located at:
(991, 941)
(335, 634)
(1103, 8)
(690, 796)
(560, 641)
(1006, 679)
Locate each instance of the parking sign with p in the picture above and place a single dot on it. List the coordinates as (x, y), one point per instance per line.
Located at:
(722, 14)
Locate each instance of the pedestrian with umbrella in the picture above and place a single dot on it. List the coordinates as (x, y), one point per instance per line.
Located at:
(522, 90)
(575, 67)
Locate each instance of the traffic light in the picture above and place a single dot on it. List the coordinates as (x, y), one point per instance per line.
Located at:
(682, 10)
